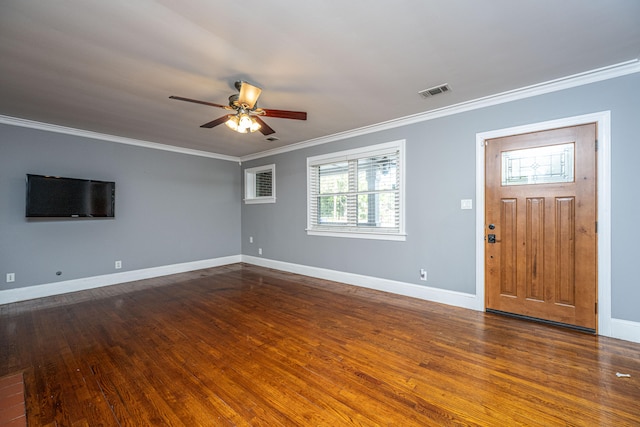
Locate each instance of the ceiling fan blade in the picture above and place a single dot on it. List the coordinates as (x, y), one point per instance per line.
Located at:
(283, 114)
(264, 128)
(216, 122)
(211, 104)
(249, 95)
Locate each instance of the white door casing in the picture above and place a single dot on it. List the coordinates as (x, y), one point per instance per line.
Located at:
(603, 120)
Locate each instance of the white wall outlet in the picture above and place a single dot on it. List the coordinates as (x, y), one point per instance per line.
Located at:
(259, 251)
(250, 239)
(423, 274)
(466, 204)
(11, 277)
(118, 265)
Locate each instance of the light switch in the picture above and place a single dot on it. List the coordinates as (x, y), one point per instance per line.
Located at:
(466, 204)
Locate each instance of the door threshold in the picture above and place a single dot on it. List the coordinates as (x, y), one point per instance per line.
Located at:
(546, 322)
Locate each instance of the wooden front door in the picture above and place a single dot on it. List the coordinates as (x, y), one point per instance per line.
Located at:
(540, 231)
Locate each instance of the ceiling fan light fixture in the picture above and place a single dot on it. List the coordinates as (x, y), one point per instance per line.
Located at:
(242, 123)
(232, 123)
(248, 95)
(245, 114)
(254, 125)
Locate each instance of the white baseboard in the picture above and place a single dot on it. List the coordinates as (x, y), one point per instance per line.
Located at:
(621, 329)
(458, 299)
(625, 330)
(57, 288)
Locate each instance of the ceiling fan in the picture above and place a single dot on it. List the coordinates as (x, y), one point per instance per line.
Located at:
(246, 114)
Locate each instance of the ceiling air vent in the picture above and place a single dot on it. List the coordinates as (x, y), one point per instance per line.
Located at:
(436, 90)
(272, 138)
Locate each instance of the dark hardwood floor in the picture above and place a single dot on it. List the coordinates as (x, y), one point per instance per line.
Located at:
(245, 345)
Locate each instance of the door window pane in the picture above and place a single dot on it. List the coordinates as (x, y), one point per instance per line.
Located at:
(541, 165)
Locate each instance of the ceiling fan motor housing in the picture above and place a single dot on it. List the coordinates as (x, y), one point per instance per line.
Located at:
(245, 105)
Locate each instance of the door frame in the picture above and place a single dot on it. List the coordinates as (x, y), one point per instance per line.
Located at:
(603, 188)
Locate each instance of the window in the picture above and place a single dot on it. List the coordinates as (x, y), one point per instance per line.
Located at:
(540, 165)
(357, 193)
(260, 184)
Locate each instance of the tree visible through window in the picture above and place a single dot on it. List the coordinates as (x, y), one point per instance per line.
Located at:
(357, 191)
(332, 197)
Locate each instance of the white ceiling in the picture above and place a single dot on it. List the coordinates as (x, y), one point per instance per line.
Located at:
(110, 66)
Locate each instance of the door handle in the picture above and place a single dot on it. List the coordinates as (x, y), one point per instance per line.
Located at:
(491, 238)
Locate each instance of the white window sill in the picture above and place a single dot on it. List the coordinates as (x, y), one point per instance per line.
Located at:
(260, 200)
(355, 235)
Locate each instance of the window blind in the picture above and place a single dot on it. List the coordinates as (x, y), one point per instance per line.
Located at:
(359, 193)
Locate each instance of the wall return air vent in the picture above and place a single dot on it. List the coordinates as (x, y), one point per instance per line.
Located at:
(433, 91)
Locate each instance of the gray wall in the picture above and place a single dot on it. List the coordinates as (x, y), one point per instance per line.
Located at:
(170, 208)
(440, 172)
(173, 208)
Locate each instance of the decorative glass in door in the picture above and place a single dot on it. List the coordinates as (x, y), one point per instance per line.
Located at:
(540, 165)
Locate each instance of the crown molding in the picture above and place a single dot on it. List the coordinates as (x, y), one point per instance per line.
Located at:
(580, 79)
(14, 121)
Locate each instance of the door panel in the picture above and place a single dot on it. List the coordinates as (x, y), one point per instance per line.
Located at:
(541, 196)
(565, 260)
(534, 255)
(509, 258)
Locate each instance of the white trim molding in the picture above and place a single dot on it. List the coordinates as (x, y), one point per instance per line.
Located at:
(443, 296)
(352, 230)
(251, 184)
(618, 328)
(622, 329)
(580, 79)
(603, 120)
(14, 121)
(587, 77)
(58, 288)
(625, 330)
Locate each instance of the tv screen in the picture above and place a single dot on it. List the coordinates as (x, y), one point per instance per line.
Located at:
(57, 197)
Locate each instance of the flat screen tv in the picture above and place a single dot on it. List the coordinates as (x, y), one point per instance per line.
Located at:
(57, 197)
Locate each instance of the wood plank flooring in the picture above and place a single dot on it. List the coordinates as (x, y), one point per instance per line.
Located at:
(12, 411)
(244, 345)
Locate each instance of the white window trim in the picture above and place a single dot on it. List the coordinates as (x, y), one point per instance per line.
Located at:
(354, 154)
(250, 185)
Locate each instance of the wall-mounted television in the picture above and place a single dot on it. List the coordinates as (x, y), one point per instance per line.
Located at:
(58, 197)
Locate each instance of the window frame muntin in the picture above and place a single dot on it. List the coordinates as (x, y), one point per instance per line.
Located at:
(250, 184)
(354, 154)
